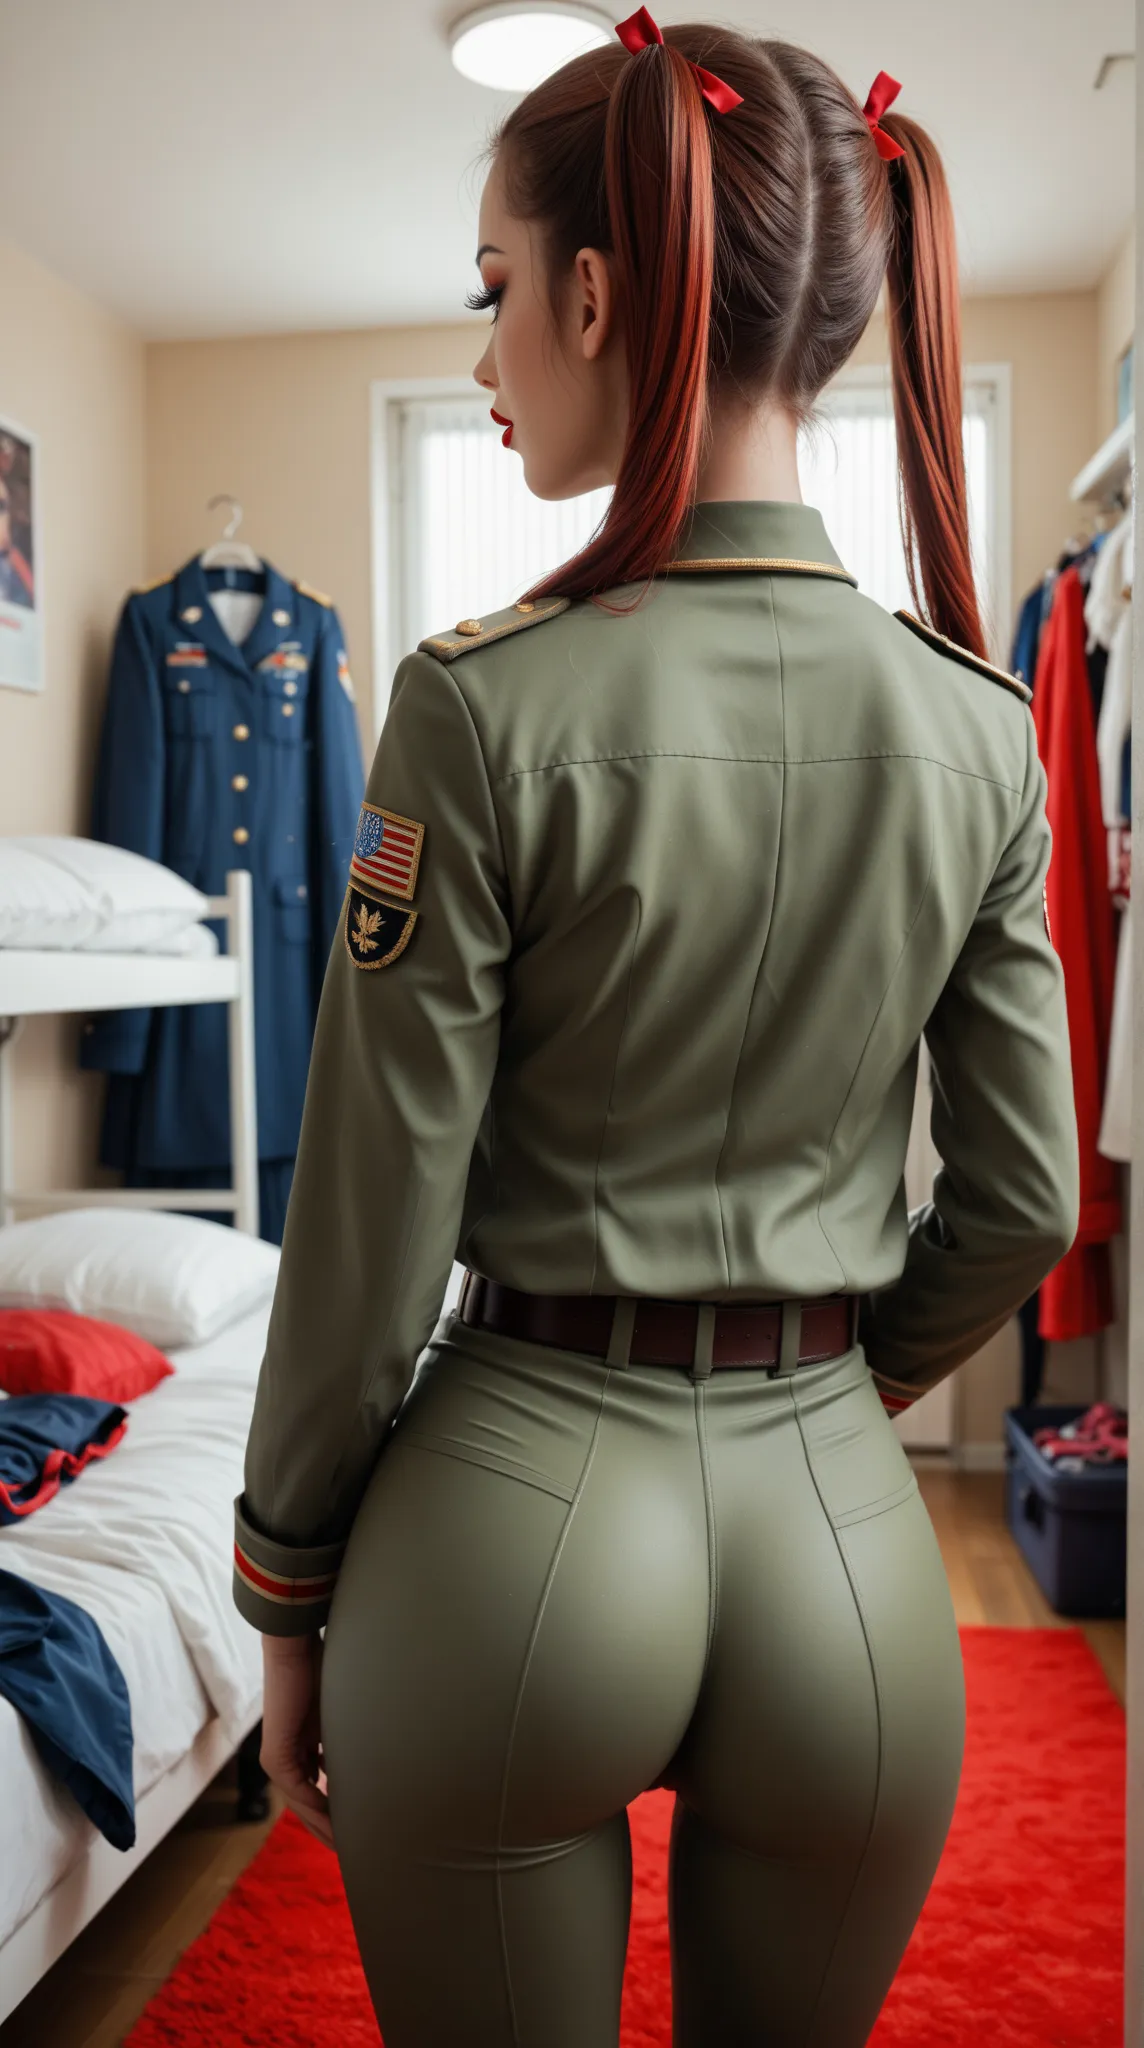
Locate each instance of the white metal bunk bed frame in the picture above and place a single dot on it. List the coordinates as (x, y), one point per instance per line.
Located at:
(39, 983)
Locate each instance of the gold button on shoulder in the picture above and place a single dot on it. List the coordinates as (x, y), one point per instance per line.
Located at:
(467, 626)
(240, 782)
(192, 614)
(525, 606)
(280, 617)
(240, 835)
(242, 732)
(287, 711)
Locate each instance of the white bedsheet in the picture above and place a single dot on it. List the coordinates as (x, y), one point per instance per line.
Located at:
(143, 1541)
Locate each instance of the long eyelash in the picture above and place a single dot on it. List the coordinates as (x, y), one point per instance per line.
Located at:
(485, 301)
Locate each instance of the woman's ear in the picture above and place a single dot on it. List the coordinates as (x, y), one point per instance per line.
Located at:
(594, 301)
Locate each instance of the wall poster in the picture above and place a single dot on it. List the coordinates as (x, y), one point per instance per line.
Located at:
(21, 602)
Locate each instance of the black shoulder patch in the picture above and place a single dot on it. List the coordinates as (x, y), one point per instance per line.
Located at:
(962, 654)
(469, 634)
(376, 934)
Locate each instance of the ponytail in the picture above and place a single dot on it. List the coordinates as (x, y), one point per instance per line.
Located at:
(661, 208)
(765, 294)
(925, 356)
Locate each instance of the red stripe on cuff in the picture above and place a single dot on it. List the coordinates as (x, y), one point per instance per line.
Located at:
(275, 1587)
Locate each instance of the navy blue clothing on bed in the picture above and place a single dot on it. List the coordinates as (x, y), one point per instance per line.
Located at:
(58, 1672)
(45, 1441)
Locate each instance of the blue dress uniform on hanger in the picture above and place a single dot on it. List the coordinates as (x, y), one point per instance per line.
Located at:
(215, 756)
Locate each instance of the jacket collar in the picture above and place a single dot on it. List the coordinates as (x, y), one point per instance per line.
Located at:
(193, 597)
(764, 534)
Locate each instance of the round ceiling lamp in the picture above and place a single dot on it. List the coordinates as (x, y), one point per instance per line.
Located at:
(515, 45)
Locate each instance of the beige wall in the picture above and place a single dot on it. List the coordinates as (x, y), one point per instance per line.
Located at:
(283, 422)
(73, 375)
(1115, 326)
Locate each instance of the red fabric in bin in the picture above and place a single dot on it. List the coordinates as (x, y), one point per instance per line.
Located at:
(51, 1351)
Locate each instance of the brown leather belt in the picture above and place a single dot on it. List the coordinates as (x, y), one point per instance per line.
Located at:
(666, 1332)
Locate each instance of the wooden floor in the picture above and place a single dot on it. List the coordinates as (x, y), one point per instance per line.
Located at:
(97, 1990)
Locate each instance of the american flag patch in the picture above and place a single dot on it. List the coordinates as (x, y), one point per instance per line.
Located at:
(386, 852)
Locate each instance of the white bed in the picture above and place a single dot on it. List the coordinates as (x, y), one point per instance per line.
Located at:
(142, 1540)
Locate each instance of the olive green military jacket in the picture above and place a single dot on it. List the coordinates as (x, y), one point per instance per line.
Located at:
(645, 921)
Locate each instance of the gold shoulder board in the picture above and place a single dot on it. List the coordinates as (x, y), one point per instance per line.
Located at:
(468, 634)
(946, 646)
(319, 596)
(143, 588)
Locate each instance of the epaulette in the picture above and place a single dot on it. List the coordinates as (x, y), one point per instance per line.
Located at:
(319, 596)
(468, 634)
(144, 588)
(946, 646)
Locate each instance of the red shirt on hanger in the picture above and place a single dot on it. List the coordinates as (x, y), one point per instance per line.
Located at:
(1076, 1298)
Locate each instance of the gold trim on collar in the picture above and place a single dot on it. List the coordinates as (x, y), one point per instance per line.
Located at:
(765, 565)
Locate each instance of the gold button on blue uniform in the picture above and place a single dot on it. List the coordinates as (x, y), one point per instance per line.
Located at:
(240, 782)
(242, 732)
(240, 835)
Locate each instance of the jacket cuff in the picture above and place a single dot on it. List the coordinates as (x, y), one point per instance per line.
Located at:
(894, 1395)
(281, 1588)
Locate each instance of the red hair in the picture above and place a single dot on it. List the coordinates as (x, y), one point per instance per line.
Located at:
(748, 252)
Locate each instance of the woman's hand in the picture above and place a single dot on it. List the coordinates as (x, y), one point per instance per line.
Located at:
(291, 1753)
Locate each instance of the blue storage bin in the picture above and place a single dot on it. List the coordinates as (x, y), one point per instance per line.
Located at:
(1070, 1526)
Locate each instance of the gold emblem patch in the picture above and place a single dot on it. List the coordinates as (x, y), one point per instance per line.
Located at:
(376, 933)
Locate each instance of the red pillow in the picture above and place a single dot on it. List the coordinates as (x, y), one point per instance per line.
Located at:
(50, 1351)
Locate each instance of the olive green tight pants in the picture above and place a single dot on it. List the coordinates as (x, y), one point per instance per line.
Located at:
(569, 1581)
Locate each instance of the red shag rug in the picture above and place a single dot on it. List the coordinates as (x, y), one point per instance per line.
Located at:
(1019, 1944)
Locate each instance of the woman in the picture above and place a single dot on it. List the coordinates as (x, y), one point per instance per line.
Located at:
(661, 876)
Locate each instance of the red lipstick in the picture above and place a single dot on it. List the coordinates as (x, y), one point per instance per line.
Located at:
(506, 437)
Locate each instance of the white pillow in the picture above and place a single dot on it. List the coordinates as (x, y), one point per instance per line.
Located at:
(171, 1278)
(41, 904)
(58, 893)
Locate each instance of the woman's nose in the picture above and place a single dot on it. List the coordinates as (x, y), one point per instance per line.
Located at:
(485, 372)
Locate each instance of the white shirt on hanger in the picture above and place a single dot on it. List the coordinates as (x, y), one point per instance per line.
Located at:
(236, 612)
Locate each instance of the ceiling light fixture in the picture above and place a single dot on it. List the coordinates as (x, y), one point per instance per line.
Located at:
(514, 45)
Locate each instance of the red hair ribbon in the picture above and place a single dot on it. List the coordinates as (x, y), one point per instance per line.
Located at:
(881, 95)
(639, 32)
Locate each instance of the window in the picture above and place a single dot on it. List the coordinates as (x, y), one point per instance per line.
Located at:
(848, 467)
(459, 534)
